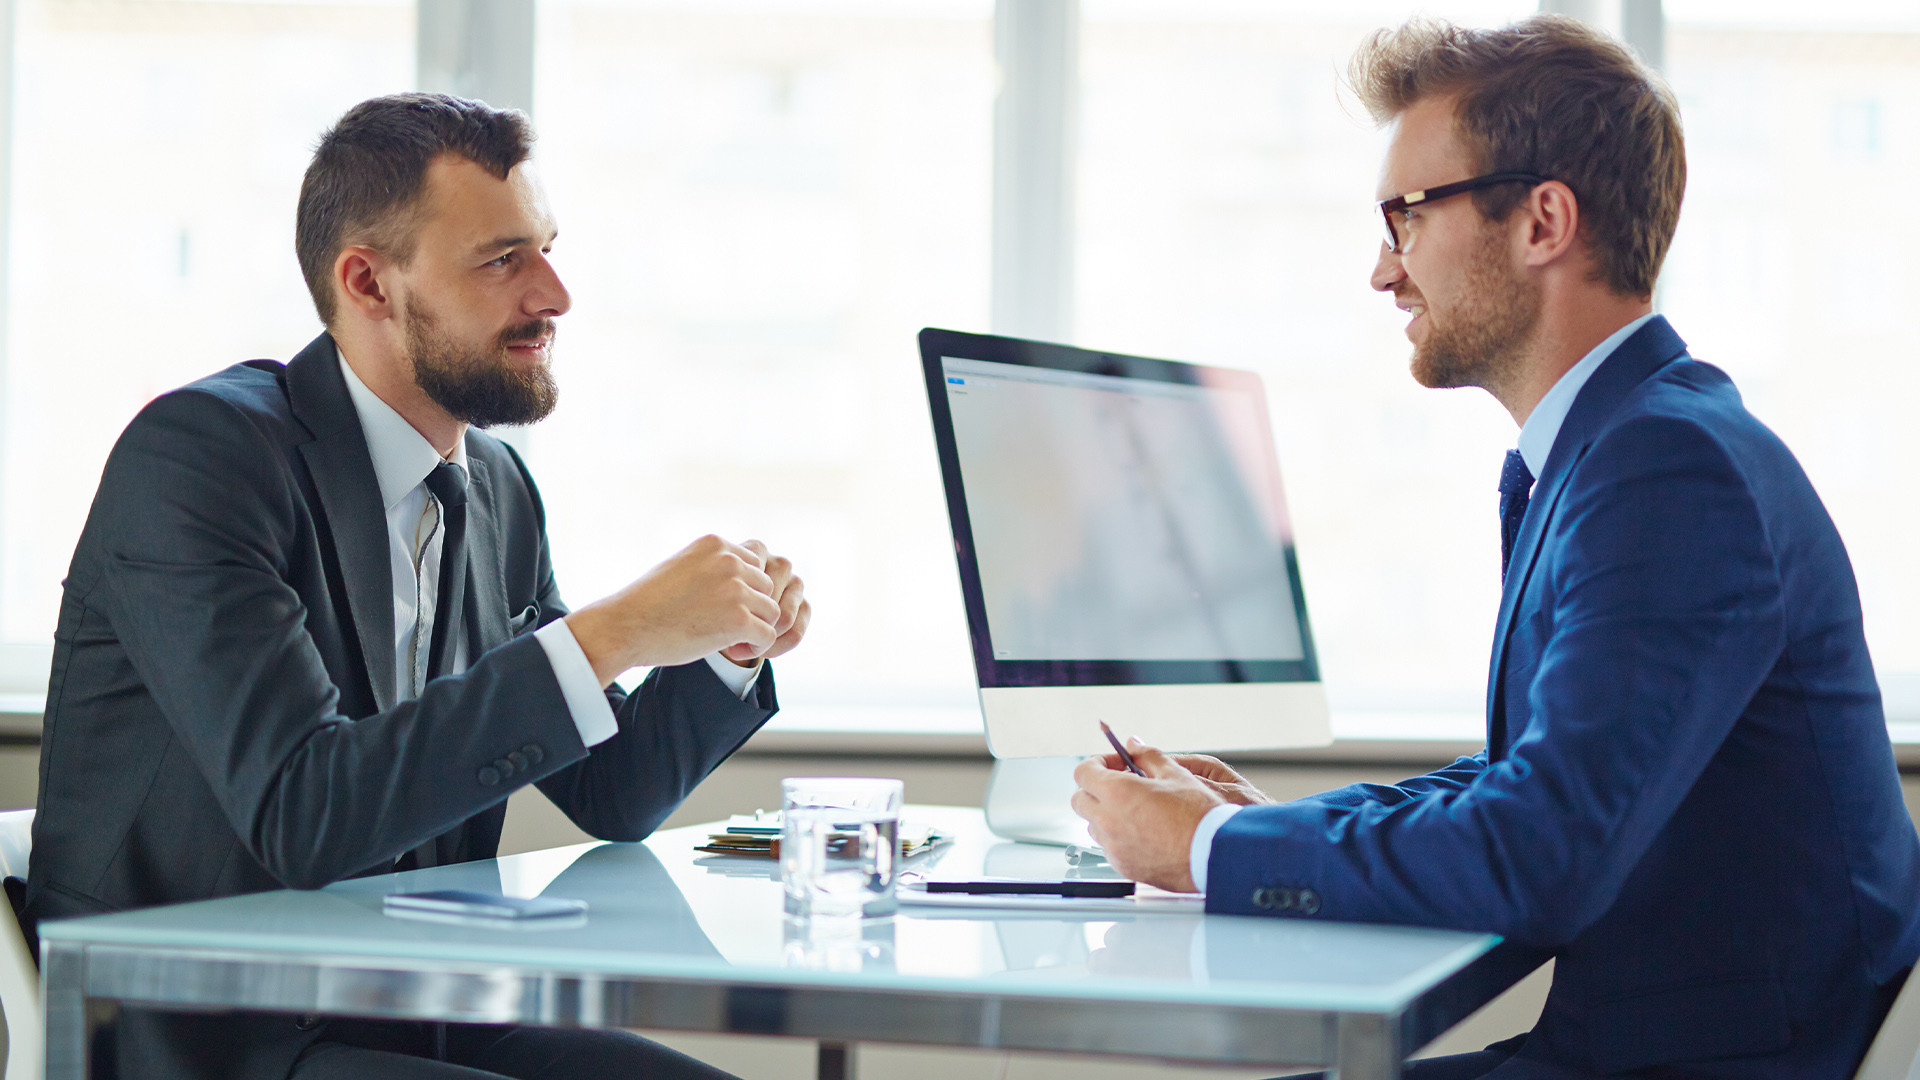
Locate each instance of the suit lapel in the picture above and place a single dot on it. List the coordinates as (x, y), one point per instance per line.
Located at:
(1651, 348)
(486, 574)
(342, 471)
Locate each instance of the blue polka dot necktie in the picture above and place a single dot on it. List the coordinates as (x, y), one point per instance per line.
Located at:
(1516, 483)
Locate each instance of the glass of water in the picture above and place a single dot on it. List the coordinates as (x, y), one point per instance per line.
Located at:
(839, 845)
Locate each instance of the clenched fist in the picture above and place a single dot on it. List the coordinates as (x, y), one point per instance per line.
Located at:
(712, 596)
(789, 592)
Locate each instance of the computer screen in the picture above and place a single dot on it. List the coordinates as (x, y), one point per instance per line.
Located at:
(1125, 557)
(1121, 518)
(1117, 520)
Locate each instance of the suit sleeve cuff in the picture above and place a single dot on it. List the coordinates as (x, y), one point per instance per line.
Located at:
(579, 686)
(738, 679)
(1202, 848)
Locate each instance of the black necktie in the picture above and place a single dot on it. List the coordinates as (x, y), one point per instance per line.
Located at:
(448, 483)
(1516, 483)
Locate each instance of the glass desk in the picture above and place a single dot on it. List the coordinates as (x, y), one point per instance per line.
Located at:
(678, 940)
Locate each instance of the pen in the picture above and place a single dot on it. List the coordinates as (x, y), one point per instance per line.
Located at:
(1125, 758)
(1092, 887)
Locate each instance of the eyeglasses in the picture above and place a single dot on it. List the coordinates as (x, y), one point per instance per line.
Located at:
(1399, 203)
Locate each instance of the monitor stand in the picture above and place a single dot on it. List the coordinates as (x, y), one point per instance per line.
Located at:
(1028, 800)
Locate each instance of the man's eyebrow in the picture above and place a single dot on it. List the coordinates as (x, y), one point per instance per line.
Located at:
(504, 242)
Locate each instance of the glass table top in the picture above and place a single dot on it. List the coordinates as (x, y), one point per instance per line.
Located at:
(661, 910)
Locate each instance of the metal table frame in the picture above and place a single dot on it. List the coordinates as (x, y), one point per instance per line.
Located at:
(85, 984)
(86, 981)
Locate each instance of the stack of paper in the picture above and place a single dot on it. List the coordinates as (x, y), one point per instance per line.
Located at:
(757, 835)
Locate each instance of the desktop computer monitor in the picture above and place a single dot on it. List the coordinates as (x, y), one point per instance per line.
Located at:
(1124, 550)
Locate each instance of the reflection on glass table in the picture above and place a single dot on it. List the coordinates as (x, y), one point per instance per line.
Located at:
(673, 940)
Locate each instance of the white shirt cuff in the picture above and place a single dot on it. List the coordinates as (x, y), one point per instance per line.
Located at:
(579, 686)
(1202, 847)
(738, 679)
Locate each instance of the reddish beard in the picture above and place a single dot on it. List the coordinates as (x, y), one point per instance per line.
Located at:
(1479, 340)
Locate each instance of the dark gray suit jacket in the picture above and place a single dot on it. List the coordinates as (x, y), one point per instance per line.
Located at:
(221, 715)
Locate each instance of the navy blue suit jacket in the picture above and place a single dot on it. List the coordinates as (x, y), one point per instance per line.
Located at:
(1688, 794)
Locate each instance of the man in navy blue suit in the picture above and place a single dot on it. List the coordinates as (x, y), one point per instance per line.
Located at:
(1687, 795)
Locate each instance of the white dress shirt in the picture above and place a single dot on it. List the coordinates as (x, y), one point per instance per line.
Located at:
(402, 458)
(1536, 444)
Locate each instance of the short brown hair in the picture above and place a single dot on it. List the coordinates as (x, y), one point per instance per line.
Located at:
(1552, 96)
(365, 183)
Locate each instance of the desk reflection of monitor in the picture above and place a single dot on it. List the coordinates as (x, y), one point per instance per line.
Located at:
(1125, 555)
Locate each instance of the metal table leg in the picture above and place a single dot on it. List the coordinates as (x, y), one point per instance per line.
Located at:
(1369, 1049)
(835, 1063)
(63, 1000)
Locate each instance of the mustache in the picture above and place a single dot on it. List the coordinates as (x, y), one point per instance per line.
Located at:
(525, 333)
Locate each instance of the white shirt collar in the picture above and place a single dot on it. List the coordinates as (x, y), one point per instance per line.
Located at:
(1537, 435)
(402, 457)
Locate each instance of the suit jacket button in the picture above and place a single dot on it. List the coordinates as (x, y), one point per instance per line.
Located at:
(519, 760)
(1263, 898)
(1307, 901)
(535, 755)
(307, 1023)
(504, 766)
(489, 776)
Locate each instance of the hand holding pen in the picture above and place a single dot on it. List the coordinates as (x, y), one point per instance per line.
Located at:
(1214, 773)
(1125, 758)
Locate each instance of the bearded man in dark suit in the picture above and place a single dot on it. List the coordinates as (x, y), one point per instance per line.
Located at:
(311, 630)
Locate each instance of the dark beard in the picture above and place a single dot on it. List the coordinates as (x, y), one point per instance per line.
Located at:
(1481, 342)
(482, 389)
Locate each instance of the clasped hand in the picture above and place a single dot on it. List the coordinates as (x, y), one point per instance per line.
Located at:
(1146, 823)
(739, 600)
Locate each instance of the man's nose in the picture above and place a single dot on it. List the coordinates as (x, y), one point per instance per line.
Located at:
(549, 297)
(1387, 272)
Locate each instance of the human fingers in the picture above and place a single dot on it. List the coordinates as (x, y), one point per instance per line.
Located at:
(1207, 767)
(791, 636)
(1095, 771)
(714, 558)
(1155, 762)
(754, 576)
(777, 567)
(1084, 804)
(741, 653)
(763, 608)
(751, 552)
(1111, 761)
(791, 594)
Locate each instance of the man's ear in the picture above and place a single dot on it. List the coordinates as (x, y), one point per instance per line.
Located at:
(358, 274)
(1552, 218)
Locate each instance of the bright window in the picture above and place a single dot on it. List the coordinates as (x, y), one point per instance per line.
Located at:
(157, 155)
(761, 202)
(1791, 267)
(760, 205)
(1226, 216)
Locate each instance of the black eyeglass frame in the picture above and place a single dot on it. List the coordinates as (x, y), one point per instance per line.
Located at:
(1400, 203)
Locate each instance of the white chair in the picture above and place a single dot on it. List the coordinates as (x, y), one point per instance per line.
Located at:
(1895, 1053)
(19, 975)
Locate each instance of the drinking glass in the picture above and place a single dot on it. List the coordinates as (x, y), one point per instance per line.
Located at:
(839, 845)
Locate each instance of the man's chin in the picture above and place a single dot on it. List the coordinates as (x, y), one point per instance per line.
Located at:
(1436, 374)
